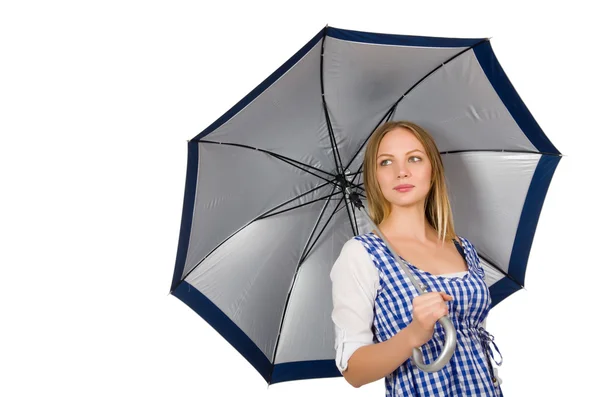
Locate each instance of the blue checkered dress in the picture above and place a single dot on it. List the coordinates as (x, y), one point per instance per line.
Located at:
(467, 373)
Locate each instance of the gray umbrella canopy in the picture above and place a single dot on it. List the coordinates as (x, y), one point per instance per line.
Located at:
(264, 214)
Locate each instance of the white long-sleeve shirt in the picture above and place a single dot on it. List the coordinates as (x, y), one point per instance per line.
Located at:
(355, 282)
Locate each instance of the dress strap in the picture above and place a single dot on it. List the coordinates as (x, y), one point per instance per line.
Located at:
(487, 340)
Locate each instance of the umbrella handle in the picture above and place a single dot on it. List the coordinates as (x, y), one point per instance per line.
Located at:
(447, 351)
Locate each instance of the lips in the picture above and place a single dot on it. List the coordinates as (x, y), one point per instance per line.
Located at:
(403, 188)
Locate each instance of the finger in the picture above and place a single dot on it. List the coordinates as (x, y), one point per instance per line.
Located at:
(430, 297)
(441, 311)
(446, 297)
(435, 315)
(437, 297)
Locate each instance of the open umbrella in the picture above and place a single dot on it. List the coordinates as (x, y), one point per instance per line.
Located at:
(270, 185)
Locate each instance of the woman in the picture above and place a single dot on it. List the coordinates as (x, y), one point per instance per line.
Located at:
(378, 315)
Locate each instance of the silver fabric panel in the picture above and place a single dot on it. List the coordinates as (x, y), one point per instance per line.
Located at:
(362, 81)
(308, 332)
(322, 190)
(229, 195)
(250, 275)
(487, 192)
(356, 164)
(492, 275)
(460, 108)
(287, 118)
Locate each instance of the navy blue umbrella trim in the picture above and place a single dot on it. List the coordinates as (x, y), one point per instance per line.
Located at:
(507, 93)
(198, 302)
(395, 39)
(502, 289)
(305, 370)
(262, 86)
(188, 213)
(530, 216)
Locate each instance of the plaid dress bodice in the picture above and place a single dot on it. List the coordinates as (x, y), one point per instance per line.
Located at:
(467, 373)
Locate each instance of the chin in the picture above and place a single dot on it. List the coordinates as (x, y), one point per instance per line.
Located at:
(407, 201)
(406, 204)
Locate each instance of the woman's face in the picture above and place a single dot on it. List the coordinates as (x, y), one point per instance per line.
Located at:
(403, 168)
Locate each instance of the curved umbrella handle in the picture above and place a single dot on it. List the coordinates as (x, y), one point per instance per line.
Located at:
(447, 351)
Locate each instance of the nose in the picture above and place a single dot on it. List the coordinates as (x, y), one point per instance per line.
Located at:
(402, 172)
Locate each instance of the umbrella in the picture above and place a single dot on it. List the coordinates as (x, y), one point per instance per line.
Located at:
(270, 185)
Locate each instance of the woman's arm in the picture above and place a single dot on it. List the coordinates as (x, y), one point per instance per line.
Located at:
(370, 363)
(373, 362)
(355, 281)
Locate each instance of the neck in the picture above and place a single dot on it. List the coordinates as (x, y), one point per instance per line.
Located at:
(408, 223)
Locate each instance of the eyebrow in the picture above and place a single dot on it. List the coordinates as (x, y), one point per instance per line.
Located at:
(391, 155)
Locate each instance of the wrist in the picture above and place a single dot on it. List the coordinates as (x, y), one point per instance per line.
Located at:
(411, 337)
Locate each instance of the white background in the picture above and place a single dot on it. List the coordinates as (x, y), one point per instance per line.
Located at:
(97, 101)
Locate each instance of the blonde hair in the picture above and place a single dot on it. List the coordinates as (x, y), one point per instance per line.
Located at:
(437, 203)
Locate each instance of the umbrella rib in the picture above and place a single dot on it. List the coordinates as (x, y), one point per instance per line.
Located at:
(296, 274)
(437, 68)
(352, 225)
(277, 156)
(395, 105)
(352, 216)
(357, 174)
(354, 174)
(501, 151)
(267, 213)
(261, 216)
(355, 220)
(289, 294)
(336, 153)
(298, 206)
(305, 254)
(388, 114)
(312, 233)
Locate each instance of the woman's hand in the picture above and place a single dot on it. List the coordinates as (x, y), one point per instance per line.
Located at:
(427, 309)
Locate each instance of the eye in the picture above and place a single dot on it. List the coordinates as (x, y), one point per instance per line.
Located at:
(385, 162)
(414, 158)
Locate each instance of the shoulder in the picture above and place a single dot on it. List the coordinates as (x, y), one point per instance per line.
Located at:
(353, 251)
(466, 244)
(471, 253)
(354, 258)
(359, 245)
(355, 244)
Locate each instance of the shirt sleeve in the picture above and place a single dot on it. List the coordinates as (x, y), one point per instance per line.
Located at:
(472, 252)
(355, 281)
